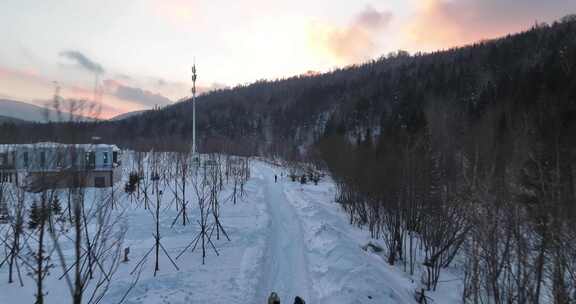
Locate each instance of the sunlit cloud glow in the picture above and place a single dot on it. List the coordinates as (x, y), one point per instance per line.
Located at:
(353, 43)
(111, 96)
(441, 24)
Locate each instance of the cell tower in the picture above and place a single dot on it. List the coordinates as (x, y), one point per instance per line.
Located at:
(194, 108)
(56, 90)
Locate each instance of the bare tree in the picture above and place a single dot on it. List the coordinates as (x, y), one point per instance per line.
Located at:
(14, 238)
(40, 256)
(206, 183)
(156, 172)
(97, 251)
(181, 177)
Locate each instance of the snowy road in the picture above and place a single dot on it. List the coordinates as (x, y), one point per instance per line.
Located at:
(286, 266)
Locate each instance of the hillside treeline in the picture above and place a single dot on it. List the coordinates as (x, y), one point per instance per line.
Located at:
(474, 161)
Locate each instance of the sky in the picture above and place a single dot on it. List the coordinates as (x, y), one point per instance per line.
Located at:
(136, 54)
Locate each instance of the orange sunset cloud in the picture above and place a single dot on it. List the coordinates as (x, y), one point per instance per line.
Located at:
(439, 24)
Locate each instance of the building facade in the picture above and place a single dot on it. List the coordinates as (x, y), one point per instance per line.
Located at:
(53, 165)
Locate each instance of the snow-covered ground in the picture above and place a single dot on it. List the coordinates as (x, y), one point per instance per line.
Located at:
(285, 237)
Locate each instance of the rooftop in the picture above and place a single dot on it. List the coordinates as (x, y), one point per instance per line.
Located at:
(54, 145)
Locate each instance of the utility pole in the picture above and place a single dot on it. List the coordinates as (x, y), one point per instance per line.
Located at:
(194, 109)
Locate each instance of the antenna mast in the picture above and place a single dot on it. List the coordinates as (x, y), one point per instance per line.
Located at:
(56, 92)
(194, 108)
(95, 87)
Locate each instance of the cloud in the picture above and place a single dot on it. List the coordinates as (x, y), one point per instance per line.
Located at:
(123, 77)
(137, 95)
(83, 61)
(372, 19)
(175, 12)
(175, 90)
(356, 42)
(109, 104)
(25, 73)
(24, 84)
(446, 23)
(29, 86)
(212, 87)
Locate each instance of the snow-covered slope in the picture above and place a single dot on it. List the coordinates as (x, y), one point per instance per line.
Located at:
(127, 115)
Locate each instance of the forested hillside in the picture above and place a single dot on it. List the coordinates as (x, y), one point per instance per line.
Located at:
(469, 153)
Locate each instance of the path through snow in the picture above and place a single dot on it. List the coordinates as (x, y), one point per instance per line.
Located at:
(285, 266)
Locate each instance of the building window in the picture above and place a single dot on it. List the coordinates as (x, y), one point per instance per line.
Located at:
(42, 159)
(90, 158)
(25, 156)
(105, 157)
(59, 162)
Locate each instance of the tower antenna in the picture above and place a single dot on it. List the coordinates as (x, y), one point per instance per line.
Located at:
(56, 90)
(56, 105)
(194, 108)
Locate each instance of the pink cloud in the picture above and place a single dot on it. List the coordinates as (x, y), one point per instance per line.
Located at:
(356, 42)
(30, 86)
(24, 73)
(443, 23)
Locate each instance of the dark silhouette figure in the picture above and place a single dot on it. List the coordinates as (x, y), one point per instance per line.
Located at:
(273, 298)
(275, 178)
(298, 300)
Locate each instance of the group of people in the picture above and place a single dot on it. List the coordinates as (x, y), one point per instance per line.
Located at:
(274, 299)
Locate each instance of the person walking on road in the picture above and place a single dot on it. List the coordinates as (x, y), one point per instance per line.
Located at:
(275, 178)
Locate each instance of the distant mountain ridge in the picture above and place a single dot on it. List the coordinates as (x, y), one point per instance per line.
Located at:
(26, 112)
(6, 119)
(127, 115)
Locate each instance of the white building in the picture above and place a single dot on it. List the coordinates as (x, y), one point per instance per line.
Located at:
(54, 165)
